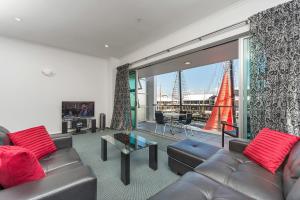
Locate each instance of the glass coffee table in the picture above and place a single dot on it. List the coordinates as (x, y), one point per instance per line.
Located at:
(127, 143)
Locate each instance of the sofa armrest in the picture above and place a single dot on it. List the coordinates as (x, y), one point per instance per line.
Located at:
(76, 184)
(238, 145)
(62, 140)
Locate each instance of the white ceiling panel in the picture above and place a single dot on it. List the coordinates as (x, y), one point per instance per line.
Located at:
(85, 26)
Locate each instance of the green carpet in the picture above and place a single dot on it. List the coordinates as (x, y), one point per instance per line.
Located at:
(144, 182)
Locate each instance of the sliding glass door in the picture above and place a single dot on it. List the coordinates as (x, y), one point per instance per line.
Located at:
(210, 93)
(245, 85)
(132, 87)
(214, 92)
(156, 93)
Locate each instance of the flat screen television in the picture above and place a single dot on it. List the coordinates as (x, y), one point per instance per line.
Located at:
(78, 109)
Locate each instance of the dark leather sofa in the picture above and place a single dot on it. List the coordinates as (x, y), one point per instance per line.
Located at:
(229, 175)
(66, 176)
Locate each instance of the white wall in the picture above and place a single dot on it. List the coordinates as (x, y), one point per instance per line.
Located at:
(235, 13)
(28, 98)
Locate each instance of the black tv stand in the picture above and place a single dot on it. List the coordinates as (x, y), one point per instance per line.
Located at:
(78, 125)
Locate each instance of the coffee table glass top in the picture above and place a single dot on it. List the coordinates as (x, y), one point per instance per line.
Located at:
(128, 142)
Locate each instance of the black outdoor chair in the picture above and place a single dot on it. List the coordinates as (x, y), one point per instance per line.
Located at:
(160, 120)
(234, 133)
(182, 117)
(187, 123)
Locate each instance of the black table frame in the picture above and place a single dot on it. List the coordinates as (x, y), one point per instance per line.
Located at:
(125, 160)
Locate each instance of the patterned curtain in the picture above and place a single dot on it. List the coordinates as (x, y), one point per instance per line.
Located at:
(121, 119)
(275, 69)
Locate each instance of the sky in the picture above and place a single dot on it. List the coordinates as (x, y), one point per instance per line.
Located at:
(198, 80)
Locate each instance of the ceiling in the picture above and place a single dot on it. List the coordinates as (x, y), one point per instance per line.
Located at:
(85, 26)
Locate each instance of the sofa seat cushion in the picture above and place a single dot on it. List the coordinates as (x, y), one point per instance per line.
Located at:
(243, 175)
(60, 158)
(194, 186)
(191, 152)
(76, 184)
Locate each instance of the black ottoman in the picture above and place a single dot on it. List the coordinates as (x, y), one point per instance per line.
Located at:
(187, 154)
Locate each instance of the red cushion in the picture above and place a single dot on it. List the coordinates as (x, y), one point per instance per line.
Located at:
(35, 139)
(18, 165)
(269, 148)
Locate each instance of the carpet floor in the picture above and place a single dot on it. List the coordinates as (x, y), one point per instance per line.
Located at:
(144, 182)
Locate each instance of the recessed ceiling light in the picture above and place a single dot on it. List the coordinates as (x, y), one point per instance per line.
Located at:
(106, 46)
(18, 19)
(187, 63)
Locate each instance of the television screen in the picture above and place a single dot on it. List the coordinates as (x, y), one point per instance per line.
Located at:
(77, 109)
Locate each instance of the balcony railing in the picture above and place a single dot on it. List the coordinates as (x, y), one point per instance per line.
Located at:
(201, 113)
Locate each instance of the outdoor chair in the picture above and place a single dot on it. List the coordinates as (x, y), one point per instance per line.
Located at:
(160, 120)
(233, 133)
(181, 118)
(187, 123)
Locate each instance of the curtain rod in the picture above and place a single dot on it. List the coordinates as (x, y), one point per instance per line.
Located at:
(198, 39)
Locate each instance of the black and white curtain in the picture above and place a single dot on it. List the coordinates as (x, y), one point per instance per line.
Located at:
(275, 69)
(121, 119)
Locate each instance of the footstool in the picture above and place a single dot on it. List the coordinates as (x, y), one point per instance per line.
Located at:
(187, 154)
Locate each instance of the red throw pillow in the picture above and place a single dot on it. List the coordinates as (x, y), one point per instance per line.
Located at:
(269, 148)
(18, 165)
(35, 139)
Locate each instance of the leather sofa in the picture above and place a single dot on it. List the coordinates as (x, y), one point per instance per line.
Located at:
(229, 175)
(66, 176)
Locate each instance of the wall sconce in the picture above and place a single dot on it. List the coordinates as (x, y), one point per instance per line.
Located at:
(48, 72)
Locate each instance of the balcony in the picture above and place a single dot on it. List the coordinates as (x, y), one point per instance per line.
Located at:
(201, 116)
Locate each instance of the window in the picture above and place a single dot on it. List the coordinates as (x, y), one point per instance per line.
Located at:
(200, 89)
(207, 87)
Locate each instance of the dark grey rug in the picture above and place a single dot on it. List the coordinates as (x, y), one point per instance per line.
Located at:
(144, 182)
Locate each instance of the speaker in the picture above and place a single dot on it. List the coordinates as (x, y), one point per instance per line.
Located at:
(102, 121)
(64, 126)
(93, 126)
